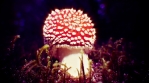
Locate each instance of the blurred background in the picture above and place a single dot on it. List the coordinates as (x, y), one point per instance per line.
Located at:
(117, 19)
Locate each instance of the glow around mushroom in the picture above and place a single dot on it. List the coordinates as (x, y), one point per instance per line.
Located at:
(69, 28)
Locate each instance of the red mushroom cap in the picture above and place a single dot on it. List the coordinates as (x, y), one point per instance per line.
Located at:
(69, 28)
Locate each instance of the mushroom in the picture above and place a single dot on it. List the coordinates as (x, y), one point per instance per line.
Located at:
(70, 31)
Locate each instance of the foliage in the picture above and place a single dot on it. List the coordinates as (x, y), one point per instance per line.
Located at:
(110, 63)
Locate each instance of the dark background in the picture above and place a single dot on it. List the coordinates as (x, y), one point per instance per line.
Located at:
(117, 19)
